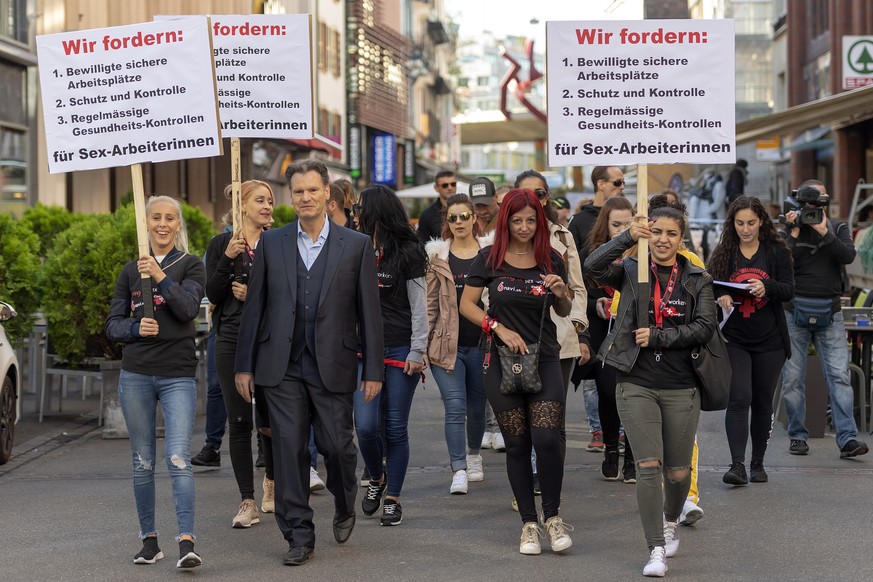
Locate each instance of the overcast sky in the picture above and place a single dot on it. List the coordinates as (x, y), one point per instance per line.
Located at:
(513, 17)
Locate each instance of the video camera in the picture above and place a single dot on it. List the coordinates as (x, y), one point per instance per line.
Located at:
(808, 202)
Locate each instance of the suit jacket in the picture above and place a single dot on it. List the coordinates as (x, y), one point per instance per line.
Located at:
(349, 317)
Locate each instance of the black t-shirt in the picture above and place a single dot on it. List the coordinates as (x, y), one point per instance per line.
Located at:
(394, 300)
(430, 223)
(672, 368)
(753, 323)
(516, 298)
(468, 332)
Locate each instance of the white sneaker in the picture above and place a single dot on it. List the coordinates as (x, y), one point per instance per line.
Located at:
(556, 530)
(671, 537)
(315, 482)
(657, 565)
(497, 443)
(474, 468)
(530, 539)
(459, 483)
(487, 438)
(691, 513)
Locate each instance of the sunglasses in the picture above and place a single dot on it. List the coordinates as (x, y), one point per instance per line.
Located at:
(448, 184)
(541, 193)
(618, 183)
(464, 216)
(356, 208)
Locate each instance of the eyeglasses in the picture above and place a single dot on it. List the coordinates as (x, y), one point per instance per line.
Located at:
(447, 184)
(356, 208)
(464, 216)
(541, 193)
(618, 183)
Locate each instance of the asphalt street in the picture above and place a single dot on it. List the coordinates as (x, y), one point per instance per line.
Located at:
(67, 513)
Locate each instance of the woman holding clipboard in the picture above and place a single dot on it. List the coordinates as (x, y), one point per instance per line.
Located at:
(752, 253)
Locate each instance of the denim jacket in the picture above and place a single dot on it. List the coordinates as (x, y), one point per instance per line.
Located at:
(619, 349)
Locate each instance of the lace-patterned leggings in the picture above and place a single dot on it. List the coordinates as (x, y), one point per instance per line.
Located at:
(531, 421)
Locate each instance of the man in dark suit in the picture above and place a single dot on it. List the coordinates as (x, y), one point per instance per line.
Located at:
(312, 305)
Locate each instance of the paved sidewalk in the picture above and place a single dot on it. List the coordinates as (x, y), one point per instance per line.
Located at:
(67, 514)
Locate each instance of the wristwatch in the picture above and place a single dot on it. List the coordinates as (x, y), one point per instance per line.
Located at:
(494, 324)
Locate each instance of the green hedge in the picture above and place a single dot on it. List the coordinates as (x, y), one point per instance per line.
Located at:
(47, 222)
(19, 268)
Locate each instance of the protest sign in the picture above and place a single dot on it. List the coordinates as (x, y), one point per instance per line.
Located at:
(637, 92)
(263, 74)
(128, 94)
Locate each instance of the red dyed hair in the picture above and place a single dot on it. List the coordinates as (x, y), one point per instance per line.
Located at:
(514, 202)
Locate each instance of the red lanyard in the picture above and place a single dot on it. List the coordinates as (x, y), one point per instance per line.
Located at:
(660, 307)
(249, 249)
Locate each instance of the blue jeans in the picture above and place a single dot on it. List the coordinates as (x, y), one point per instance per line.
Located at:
(397, 392)
(216, 414)
(139, 395)
(833, 350)
(463, 394)
(592, 405)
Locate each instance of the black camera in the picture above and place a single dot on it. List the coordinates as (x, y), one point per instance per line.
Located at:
(808, 202)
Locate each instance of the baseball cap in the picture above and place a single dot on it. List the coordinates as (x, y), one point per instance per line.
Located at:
(482, 191)
(561, 203)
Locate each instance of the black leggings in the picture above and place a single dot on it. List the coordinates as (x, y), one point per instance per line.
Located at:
(753, 383)
(239, 420)
(527, 421)
(606, 377)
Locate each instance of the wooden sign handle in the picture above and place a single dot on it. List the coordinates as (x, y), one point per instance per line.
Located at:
(142, 237)
(236, 197)
(643, 248)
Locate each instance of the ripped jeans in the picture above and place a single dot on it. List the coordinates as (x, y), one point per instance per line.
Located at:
(139, 395)
(660, 424)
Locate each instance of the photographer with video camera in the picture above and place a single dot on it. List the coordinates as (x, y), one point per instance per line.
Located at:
(819, 248)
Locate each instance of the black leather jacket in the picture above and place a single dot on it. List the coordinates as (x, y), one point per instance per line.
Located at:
(620, 349)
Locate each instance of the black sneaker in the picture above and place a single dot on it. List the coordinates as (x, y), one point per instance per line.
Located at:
(757, 474)
(392, 514)
(799, 447)
(853, 448)
(629, 472)
(536, 480)
(736, 475)
(188, 558)
(373, 497)
(207, 457)
(609, 468)
(150, 552)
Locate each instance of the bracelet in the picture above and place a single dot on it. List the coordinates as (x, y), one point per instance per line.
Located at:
(489, 324)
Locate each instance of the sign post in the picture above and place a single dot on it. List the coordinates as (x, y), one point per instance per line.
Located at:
(142, 237)
(643, 248)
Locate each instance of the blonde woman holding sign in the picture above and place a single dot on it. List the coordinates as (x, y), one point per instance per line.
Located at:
(158, 363)
(229, 261)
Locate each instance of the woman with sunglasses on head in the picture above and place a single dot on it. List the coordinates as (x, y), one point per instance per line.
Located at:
(453, 348)
(657, 391)
(229, 261)
(751, 252)
(158, 364)
(524, 277)
(400, 268)
(571, 329)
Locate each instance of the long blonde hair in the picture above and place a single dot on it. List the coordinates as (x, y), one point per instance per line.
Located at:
(181, 241)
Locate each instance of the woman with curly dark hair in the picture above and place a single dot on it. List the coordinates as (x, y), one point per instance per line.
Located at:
(524, 277)
(752, 253)
(400, 268)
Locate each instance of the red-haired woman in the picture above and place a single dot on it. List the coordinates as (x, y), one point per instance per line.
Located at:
(521, 272)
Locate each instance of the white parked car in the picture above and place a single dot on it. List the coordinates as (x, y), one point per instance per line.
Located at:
(10, 405)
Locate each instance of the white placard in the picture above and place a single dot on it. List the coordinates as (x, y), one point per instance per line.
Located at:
(857, 61)
(640, 92)
(264, 74)
(128, 94)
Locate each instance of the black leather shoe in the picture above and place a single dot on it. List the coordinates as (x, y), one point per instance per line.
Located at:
(343, 524)
(298, 555)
